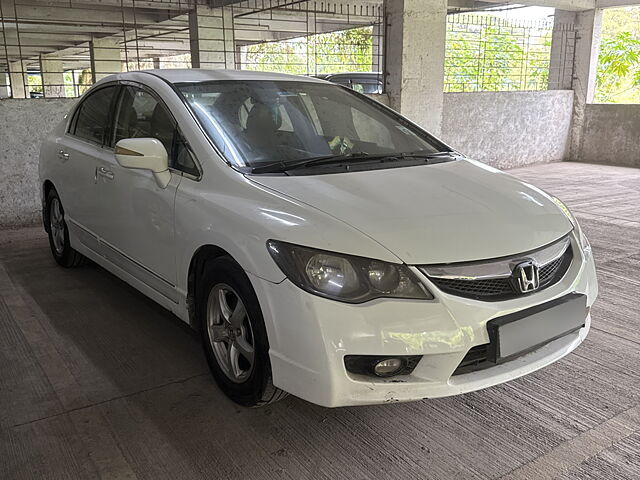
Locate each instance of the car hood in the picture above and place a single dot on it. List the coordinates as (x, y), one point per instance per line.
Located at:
(448, 212)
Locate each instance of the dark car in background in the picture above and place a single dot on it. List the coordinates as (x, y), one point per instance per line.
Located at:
(363, 82)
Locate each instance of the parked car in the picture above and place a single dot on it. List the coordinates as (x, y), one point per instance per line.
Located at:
(363, 82)
(322, 244)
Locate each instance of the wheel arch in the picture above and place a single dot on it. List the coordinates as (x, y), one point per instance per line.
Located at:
(47, 186)
(199, 260)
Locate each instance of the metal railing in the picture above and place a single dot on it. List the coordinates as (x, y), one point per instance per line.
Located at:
(488, 53)
(59, 48)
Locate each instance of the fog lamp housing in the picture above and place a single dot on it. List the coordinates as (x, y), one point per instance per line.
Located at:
(381, 366)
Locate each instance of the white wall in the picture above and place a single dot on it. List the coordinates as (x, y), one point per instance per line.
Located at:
(509, 129)
(23, 125)
(503, 129)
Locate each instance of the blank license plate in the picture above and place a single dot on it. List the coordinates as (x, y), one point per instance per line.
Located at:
(523, 331)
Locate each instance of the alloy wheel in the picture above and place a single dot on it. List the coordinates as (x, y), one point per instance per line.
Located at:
(56, 225)
(230, 333)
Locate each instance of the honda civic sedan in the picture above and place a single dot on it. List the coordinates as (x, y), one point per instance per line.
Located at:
(322, 244)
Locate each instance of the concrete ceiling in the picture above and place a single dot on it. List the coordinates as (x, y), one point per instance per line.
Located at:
(155, 28)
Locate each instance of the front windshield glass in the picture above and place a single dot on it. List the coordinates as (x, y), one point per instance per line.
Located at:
(258, 122)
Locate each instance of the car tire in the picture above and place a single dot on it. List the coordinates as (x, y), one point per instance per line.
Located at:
(234, 335)
(58, 232)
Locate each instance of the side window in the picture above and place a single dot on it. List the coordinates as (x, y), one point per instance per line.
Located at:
(365, 86)
(141, 115)
(92, 119)
(183, 158)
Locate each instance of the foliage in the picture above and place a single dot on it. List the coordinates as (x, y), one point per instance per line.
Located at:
(35, 83)
(483, 56)
(344, 51)
(618, 74)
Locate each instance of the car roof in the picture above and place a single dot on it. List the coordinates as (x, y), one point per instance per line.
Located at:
(195, 75)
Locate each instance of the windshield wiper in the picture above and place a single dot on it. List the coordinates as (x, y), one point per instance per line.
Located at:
(355, 157)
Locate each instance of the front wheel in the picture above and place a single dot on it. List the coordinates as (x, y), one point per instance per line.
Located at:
(234, 336)
(59, 234)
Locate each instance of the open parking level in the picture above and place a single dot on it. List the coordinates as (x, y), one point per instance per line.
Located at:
(96, 381)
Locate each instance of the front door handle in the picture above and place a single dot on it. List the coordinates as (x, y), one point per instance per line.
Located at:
(103, 172)
(62, 155)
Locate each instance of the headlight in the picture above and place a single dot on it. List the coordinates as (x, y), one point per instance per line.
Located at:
(584, 243)
(345, 277)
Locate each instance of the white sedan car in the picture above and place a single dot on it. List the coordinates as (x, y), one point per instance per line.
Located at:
(321, 243)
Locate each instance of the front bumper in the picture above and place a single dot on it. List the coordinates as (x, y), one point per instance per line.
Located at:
(309, 337)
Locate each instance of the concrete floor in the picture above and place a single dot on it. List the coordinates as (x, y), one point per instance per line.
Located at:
(97, 381)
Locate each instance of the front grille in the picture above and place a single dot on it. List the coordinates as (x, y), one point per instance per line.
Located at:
(503, 287)
(476, 288)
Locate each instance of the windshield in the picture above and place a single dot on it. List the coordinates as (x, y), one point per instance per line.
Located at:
(258, 122)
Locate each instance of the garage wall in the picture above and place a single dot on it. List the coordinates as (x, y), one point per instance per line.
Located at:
(611, 135)
(23, 125)
(509, 129)
(504, 129)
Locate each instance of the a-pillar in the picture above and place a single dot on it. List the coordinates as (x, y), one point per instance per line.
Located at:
(52, 76)
(18, 79)
(416, 36)
(211, 37)
(105, 57)
(585, 64)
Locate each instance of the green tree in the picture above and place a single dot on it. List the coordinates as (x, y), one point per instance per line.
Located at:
(343, 51)
(488, 55)
(618, 73)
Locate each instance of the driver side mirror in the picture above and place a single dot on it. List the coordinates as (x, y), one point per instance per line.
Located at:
(145, 154)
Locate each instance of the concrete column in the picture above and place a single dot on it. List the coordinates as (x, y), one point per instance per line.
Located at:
(52, 76)
(105, 57)
(211, 37)
(588, 24)
(563, 40)
(4, 85)
(18, 79)
(416, 34)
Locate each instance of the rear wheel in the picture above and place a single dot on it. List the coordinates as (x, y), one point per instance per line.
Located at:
(59, 234)
(234, 335)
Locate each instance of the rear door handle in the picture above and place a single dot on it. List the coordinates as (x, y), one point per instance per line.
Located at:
(62, 155)
(103, 172)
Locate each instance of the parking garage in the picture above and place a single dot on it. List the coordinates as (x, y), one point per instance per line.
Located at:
(98, 381)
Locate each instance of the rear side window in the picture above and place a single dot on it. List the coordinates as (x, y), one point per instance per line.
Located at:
(92, 122)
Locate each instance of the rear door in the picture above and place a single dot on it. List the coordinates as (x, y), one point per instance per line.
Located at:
(80, 151)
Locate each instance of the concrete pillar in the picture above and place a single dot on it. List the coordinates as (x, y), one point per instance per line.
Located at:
(18, 79)
(4, 85)
(563, 40)
(585, 64)
(416, 34)
(52, 76)
(105, 57)
(211, 37)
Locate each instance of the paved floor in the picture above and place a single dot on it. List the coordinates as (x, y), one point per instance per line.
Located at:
(97, 381)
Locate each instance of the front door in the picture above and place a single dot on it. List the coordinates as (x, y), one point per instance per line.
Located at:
(138, 234)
